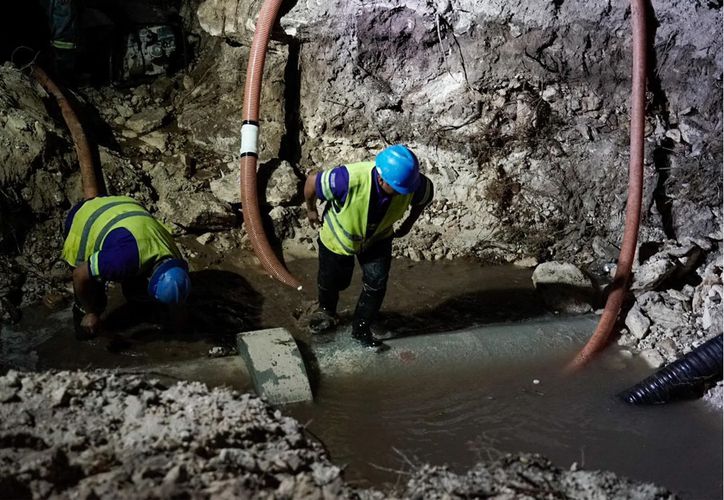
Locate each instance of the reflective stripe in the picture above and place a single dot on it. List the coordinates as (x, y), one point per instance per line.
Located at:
(326, 189)
(115, 220)
(341, 228)
(93, 264)
(80, 258)
(59, 44)
(330, 225)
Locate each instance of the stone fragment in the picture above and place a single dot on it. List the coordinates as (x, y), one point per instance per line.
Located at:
(158, 140)
(637, 323)
(652, 273)
(652, 357)
(283, 185)
(147, 120)
(60, 397)
(197, 211)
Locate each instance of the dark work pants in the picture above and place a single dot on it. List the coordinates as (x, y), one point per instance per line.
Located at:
(335, 275)
(63, 23)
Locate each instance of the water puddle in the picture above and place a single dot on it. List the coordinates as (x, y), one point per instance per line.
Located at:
(379, 427)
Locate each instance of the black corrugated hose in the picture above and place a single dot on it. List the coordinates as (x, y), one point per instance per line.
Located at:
(685, 378)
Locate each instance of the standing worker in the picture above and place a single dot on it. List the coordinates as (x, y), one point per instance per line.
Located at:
(64, 25)
(364, 200)
(113, 238)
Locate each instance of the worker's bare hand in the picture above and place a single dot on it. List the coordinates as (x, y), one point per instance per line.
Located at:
(313, 217)
(91, 323)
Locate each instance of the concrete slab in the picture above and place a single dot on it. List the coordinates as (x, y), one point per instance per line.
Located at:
(338, 355)
(275, 365)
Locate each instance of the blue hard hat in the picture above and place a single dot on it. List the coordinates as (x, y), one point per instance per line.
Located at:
(398, 167)
(170, 282)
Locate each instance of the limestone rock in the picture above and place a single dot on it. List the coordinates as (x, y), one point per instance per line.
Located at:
(559, 273)
(283, 186)
(564, 287)
(653, 358)
(637, 323)
(147, 120)
(197, 212)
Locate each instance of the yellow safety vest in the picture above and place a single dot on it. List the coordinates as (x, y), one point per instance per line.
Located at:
(345, 227)
(99, 216)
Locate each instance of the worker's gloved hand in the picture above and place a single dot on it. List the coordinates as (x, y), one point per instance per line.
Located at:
(313, 217)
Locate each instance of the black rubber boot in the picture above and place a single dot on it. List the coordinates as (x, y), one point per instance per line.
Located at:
(361, 333)
(322, 320)
(368, 306)
(325, 317)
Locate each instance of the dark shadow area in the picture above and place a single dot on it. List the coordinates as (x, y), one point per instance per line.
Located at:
(466, 311)
(311, 365)
(23, 23)
(221, 305)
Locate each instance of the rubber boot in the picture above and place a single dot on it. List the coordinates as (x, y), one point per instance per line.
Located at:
(361, 333)
(325, 317)
(365, 313)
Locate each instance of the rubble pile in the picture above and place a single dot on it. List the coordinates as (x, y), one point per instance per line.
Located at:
(102, 434)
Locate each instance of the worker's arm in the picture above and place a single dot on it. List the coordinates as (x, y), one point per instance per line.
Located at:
(421, 199)
(407, 224)
(310, 197)
(88, 293)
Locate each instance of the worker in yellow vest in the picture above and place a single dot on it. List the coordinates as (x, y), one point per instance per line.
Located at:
(363, 202)
(113, 238)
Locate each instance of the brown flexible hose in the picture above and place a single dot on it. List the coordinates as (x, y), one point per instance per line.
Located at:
(82, 149)
(601, 336)
(250, 127)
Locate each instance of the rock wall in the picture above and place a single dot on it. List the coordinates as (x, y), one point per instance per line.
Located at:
(519, 113)
(35, 159)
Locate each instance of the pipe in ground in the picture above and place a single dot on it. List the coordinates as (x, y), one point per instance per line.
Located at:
(249, 144)
(85, 158)
(685, 378)
(602, 335)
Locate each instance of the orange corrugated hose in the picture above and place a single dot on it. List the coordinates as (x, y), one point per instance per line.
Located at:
(601, 337)
(249, 141)
(85, 158)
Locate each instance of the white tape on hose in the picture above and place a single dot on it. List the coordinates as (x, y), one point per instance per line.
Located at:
(249, 139)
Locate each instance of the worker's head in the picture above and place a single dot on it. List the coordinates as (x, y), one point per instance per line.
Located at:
(170, 282)
(399, 169)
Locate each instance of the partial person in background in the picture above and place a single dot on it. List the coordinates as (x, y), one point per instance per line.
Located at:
(363, 202)
(64, 25)
(113, 238)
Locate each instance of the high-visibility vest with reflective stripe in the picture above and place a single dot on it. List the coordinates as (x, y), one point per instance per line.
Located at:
(345, 228)
(99, 216)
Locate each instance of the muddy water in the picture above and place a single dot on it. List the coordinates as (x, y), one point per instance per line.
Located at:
(378, 426)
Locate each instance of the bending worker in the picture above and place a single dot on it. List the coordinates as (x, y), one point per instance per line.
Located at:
(113, 238)
(363, 201)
